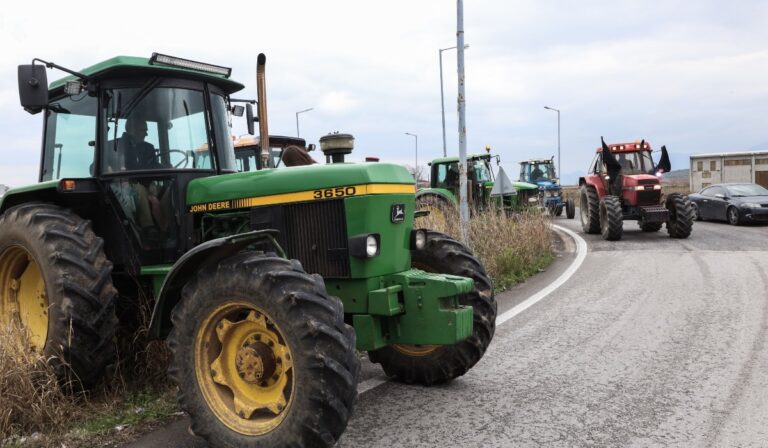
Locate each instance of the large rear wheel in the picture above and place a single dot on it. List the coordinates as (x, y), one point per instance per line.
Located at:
(435, 364)
(590, 210)
(262, 356)
(55, 283)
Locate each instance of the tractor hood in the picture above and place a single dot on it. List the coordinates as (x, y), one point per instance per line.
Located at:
(525, 186)
(296, 184)
(631, 180)
(548, 185)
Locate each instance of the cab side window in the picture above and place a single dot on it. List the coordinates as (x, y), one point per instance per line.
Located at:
(70, 137)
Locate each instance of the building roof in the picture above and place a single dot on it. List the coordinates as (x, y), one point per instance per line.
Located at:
(730, 154)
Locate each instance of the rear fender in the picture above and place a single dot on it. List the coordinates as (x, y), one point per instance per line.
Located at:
(595, 182)
(441, 193)
(205, 256)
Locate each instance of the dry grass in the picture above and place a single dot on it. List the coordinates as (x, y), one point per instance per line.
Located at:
(32, 399)
(511, 248)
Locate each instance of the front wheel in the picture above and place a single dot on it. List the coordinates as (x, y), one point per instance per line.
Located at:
(570, 209)
(734, 218)
(262, 356)
(680, 223)
(435, 364)
(611, 218)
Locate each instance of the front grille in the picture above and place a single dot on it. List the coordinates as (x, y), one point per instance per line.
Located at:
(648, 197)
(316, 235)
(647, 182)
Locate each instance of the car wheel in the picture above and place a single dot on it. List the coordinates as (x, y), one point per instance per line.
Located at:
(733, 216)
(696, 212)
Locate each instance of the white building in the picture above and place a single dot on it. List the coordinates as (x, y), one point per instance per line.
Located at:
(708, 169)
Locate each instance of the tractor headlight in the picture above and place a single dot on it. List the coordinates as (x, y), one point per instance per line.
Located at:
(371, 246)
(553, 193)
(365, 246)
(533, 199)
(418, 239)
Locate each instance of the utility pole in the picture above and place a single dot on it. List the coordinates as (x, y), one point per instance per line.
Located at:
(463, 208)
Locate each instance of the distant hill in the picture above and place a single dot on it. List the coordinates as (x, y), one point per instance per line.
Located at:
(677, 176)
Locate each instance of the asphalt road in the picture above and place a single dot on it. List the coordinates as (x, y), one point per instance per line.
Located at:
(653, 342)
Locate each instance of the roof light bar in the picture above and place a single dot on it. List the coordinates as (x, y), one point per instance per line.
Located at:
(173, 61)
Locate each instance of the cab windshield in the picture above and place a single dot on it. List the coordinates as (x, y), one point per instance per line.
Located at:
(482, 174)
(536, 172)
(637, 162)
(152, 127)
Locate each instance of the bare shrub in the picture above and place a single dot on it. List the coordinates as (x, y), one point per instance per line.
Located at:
(511, 248)
(32, 398)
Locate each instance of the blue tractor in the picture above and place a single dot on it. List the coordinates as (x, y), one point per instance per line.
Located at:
(541, 172)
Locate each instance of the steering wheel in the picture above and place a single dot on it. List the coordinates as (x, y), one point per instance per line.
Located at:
(182, 163)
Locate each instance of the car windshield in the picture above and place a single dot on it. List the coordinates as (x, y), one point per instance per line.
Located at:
(739, 191)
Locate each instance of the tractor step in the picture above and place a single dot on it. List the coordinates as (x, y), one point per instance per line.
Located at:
(654, 213)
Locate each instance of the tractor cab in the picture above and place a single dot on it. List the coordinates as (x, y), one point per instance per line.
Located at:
(247, 151)
(445, 176)
(627, 170)
(538, 171)
(139, 130)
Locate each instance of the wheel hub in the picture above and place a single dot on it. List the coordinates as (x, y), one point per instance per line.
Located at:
(245, 368)
(255, 362)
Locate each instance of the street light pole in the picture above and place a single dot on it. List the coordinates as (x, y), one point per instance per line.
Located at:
(297, 119)
(559, 173)
(442, 97)
(416, 166)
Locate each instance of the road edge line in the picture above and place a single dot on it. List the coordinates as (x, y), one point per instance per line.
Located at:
(581, 254)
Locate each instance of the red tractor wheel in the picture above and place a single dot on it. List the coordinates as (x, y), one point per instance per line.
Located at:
(590, 210)
(681, 216)
(611, 218)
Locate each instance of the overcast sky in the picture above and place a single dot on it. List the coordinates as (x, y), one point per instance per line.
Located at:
(688, 74)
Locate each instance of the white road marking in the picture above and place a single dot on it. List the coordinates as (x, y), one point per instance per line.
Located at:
(581, 254)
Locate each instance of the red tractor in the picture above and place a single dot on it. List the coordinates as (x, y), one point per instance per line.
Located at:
(623, 183)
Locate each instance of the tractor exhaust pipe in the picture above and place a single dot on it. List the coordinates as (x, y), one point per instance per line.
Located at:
(261, 95)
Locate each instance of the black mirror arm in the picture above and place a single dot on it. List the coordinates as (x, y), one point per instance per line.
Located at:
(63, 69)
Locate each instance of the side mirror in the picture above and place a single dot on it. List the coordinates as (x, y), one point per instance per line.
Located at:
(33, 88)
(720, 195)
(250, 118)
(238, 111)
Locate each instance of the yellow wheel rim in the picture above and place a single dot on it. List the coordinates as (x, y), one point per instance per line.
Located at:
(416, 350)
(244, 368)
(23, 297)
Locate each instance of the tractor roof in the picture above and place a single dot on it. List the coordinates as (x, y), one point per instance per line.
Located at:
(456, 159)
(628, 147)
(278, 140)
(537, 161)
(131, 66)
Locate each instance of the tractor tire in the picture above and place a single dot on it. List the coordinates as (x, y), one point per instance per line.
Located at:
(590, 210)
(611, 218)
(262, 356)
(559, 210)
(680, 223)
(56, 282)
(436, 364)
(570, 209)
(650, 226)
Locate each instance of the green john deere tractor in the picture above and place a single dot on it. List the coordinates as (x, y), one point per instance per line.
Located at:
(264, 282)
(443, 191)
